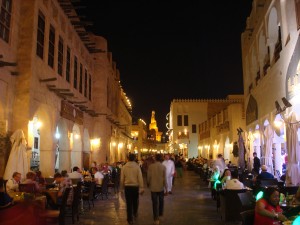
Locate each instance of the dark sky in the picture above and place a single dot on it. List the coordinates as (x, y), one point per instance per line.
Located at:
(166, 50)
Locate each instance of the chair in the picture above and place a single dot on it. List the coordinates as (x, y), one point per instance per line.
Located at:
(74, 207)
(230, 205)
(291, 190)
(28, 188)
(104, 187)
(49, 180)
(76, 201)
(75, 180)
(88, 196)
(268, 182)
(248, 217)
(115, 180)
(247, 200)
(52, 216)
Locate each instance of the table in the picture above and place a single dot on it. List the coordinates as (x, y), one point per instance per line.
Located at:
(52, 192)
(38, 199)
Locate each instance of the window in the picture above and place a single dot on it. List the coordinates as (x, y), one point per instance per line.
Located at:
(186, 120)
(90, 87)
(85, 83)
(80, 78)
(75, 72)
(60, 56)
(51, 46)
(179, 120)
(194, 128)
(68, 65)
(40, 36)
(5, 16)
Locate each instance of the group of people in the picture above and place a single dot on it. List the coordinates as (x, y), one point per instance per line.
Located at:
(159, 178)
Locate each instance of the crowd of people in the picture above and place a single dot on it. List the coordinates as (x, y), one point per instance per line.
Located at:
(158, 172)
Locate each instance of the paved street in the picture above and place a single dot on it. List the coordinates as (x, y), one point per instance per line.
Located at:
(190, 204)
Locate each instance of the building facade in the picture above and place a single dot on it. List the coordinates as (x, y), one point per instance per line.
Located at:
(218, 134)
(270, 54)
(60, 86)
(189, 125)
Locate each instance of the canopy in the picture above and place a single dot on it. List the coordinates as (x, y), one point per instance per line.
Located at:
(17, 161)
(293, 149)
(269, 134)
(241, 151)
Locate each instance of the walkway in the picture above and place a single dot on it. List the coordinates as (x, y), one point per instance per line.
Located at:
(190, 204)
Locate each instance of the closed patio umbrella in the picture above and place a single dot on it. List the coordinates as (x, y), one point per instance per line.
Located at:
(269, 134)
(241, 162)
(293, 149)
(17, 161)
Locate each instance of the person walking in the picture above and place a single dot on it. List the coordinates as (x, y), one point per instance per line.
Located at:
(156, 180)
(170, 172)
(132, 183)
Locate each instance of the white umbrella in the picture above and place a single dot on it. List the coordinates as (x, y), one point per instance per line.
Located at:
(241, 161)
(269, 134)
(17, 161)
(251, 149)
(293, 149)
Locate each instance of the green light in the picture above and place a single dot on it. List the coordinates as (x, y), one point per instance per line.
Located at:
(259, 195)
(296, 221)
(216, 182)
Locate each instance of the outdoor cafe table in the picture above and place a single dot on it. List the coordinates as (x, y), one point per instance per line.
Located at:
(52, 192)
(37, 199)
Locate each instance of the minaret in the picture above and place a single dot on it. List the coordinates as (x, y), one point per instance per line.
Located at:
(153, 126)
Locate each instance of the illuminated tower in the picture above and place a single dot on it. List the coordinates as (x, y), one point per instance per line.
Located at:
(153, 127)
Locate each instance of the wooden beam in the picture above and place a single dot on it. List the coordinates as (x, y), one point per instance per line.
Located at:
(78, 102)
(14, 73)
(48, 79)
(59, 89)
(69, 94)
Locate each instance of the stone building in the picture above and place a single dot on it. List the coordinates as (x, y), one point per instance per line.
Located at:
(60, 85)
(219, 132)
(270, 55)
(195, 125)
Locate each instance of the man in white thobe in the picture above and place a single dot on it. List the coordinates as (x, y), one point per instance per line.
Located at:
(170, 172)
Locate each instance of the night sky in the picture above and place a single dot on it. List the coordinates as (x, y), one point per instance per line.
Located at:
(167, 50)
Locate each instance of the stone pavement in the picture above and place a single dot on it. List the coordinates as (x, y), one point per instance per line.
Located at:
(190, 204)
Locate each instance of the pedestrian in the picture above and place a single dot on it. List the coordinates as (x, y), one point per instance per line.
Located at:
(256, 163)
(156, 180)
(132, 182)
(170, 172)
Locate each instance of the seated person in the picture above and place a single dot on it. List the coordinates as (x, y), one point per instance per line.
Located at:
(264, 173)
(215, 174)
(63, 184)
(76, 173)
(267, 209)
(30, 178)
(98, 176)
(234, 183)
(12, 185)
(5, 199)
(39, 178)
(65, 175)
(226, 176)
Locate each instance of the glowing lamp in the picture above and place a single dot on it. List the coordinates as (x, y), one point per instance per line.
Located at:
(259, 195)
